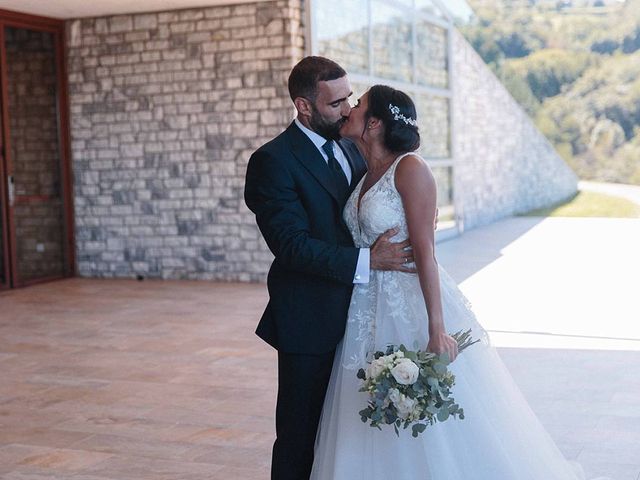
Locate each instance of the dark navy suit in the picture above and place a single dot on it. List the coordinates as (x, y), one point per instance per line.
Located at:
(291, 190)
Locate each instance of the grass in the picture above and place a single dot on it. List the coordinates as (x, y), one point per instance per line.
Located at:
(590, 204)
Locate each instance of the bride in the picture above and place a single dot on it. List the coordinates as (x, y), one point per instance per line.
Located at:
(500, 437)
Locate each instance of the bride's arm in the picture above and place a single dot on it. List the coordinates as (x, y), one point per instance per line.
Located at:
(417, 187)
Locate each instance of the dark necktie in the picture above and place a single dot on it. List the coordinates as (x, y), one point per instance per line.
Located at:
(339, 177)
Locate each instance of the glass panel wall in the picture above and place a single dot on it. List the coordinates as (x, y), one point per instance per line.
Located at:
(429, 7)
(392, 33)
(444, 181)
(403, 43)
(431, 52)
(345, 35)
(358, 89)
(433, 121)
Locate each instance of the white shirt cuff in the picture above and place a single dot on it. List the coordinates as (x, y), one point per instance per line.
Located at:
(362, 268)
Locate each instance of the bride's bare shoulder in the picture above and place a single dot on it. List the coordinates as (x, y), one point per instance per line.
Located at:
(413, 172)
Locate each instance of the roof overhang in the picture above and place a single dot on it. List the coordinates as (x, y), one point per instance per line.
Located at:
(67, 9)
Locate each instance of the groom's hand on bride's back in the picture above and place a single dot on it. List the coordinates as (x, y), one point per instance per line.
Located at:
(388, 255)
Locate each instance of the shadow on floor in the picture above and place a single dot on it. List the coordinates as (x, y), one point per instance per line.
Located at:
(481, 246)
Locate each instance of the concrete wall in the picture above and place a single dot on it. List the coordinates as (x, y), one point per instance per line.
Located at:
(166, 109)
(504, 165)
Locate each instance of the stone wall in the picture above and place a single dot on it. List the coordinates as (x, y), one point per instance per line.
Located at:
(166, 109)
(504, 165)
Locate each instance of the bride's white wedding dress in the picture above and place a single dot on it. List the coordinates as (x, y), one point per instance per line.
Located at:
(500, 437)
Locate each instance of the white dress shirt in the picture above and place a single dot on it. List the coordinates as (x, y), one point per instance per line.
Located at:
(362, 268)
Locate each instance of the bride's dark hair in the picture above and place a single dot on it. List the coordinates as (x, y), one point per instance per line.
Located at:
(397, 112)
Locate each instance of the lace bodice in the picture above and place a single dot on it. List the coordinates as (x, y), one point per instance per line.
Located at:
(391, 308)
(380, 209)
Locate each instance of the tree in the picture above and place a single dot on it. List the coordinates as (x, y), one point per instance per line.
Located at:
(548, 71)
(576, 72)
(513, 45)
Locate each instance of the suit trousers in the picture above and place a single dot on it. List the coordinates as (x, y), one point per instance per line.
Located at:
(302, 385)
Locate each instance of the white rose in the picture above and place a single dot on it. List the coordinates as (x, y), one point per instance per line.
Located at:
(405, 372)
(376, 367)
(405, 407)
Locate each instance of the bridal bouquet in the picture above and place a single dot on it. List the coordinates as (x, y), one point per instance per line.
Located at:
(410, 388)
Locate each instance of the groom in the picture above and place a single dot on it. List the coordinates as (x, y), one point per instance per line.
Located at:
(297, 185)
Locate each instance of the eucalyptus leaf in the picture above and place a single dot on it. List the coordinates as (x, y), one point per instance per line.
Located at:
(440, 369)
(443, 414)
(417, 429)
(433, 409)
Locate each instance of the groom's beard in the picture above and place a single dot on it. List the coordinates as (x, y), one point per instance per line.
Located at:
(329, 130)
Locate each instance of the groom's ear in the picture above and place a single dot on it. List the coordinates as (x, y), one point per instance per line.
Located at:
(303, 106)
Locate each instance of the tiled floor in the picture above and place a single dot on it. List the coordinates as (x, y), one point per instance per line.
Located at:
(134, 380)
(560, 299)
(126, 380)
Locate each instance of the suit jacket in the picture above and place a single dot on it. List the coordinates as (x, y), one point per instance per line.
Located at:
(290, 189)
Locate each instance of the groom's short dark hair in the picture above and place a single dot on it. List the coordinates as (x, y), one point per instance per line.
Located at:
(304, 78)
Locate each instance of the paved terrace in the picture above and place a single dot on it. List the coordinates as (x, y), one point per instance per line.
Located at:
(106, 379)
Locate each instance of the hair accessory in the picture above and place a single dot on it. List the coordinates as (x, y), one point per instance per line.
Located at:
(395, 111)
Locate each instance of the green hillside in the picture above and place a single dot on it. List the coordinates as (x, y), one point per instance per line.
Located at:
(575, 68)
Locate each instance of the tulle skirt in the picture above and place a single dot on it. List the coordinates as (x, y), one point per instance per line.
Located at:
(500, 437)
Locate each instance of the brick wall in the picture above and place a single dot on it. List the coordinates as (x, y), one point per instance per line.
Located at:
(166, 109)
(31, 82)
